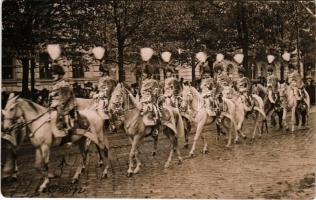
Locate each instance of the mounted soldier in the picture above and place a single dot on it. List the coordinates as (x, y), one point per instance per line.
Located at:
(106, 85)
(222, 80)
(171, 88)
(296, 83)
(63, 100)
(272, 85)
(149, 94)
(208, 92)
(243, 87)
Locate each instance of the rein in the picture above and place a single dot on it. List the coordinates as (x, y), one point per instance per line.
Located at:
(23, 124)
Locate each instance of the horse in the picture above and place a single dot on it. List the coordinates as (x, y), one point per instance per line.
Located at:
(191, 98)
(183, 100)
(289, 102)
(122, 101)
(38, 121)
(271, 110)
(257, 110)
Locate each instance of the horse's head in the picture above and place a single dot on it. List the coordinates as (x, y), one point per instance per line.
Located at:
(185, 98)
(11, 113)
(117, 99)
(282, 89)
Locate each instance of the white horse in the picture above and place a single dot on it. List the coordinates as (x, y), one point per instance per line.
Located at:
(38, 120)
(122, 102)
(289, 102)
(192, 98)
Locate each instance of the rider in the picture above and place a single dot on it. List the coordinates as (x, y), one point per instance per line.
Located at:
(223, 81)
(106, 85)
(272, 85)
(171, 88)
(149, 94)
(63, 100)
(295, 81)
(243, 87)
(207, 92)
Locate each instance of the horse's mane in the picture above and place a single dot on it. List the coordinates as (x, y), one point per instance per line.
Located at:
(117, 93)
(36, 107)
(197, 101)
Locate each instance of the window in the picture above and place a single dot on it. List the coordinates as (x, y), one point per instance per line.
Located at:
(7, 67)
(44, 68)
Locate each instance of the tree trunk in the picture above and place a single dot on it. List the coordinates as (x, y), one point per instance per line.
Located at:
(245, 40)
(193, 69)
(121, 61)
(32, 71)
(25, 77)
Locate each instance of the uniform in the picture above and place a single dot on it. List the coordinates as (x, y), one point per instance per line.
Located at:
(272, 85)
(149, 94)
(296, 83)
(208, 93)
(243, 87)
(171, 89)
(63, 100)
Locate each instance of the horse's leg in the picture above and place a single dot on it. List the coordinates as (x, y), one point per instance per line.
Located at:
(155, 137)
(230, 127)
(293, 119)
(199, 130)
(104, 155)
(101, 160)
(83, 151)
(284, 119)
(136, 139)
(205, 148)
(257, 125)
(186, 132)
(45, 151)
(176, 148)
(138, 161)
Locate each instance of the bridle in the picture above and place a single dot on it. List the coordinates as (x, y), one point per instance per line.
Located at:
(24, 123)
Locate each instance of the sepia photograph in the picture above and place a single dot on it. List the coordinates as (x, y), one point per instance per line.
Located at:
(161, 99)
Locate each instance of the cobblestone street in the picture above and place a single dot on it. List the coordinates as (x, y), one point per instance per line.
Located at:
(279, 165)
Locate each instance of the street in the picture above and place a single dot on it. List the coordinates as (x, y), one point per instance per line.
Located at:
(278, 165)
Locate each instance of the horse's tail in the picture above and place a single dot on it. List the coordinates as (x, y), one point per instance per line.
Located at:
(260, 107)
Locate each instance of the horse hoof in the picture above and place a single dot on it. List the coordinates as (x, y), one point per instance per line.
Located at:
(191, 155)
(287, 129)
(244, 137)
(75, 180)
(186, 146)
(227, 146)
(100, 164)
(180, 161)
(205, 151)
(42, 189)
(129, 174)
(167, 166)
(104, 176)
(153, 153)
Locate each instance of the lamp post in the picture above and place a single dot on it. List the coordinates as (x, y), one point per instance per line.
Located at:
(98, 53)
(201, 57)
(286, 56)
(54, 52)
(146, 54)
(166, 56)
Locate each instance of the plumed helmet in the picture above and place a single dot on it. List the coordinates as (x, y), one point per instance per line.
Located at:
(57, 69)
(270, 69)
(241, 70)
(218, 66)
